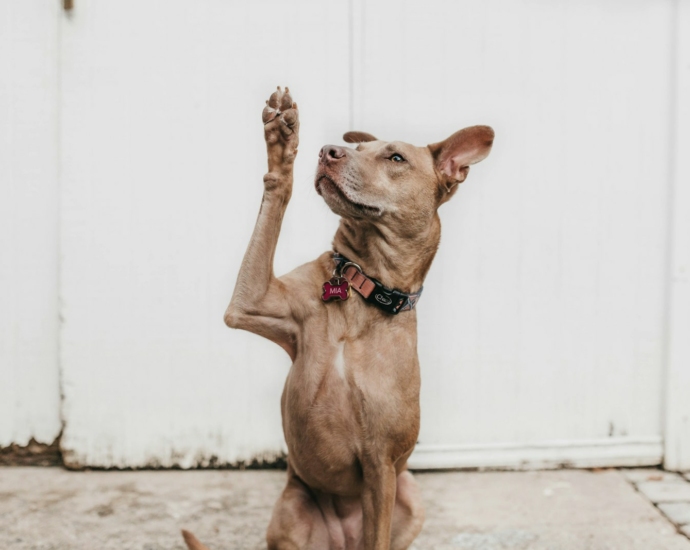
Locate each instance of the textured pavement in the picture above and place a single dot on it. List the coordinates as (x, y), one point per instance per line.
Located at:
(50, 508)
(669, 491)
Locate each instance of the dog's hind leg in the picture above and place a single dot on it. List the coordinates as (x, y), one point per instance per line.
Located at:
(408, 515)
(297, 522)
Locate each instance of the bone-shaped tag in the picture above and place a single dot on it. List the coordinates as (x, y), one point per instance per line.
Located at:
(337, 287)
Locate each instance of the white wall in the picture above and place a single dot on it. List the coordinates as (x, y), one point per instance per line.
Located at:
(29, 381)
(552, 348)
(677, 428)
(164, 159)
(556, 245)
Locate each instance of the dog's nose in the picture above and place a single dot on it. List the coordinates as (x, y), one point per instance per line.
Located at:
(331, 153)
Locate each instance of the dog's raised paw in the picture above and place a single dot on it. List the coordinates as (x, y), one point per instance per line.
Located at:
(281, 107)
(281, 125)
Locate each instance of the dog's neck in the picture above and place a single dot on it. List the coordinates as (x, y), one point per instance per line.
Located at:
(400, 262)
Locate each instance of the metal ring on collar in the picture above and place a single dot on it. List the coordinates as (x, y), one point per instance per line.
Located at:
(348, 264)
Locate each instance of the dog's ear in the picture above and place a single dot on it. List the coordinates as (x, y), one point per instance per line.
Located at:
(358, 137)
(454, 155)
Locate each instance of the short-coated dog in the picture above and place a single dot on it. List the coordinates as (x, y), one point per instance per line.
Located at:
(347, 320)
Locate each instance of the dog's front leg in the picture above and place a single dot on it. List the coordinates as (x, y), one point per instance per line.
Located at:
(378, 502)
(260, 302)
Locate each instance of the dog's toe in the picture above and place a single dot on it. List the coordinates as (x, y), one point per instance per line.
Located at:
(281, 121)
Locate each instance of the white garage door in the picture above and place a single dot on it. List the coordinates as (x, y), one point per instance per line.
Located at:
(542, 323)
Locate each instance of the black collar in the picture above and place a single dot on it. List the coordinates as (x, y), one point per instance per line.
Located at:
(391, 301)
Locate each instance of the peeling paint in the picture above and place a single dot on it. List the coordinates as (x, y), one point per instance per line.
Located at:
(262, 461)
(32, 454)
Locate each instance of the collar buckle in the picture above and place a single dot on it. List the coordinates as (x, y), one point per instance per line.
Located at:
(391, 301)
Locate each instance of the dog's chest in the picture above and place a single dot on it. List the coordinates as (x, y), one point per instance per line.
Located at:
(355, 338)
(354, 382)
(345, 363)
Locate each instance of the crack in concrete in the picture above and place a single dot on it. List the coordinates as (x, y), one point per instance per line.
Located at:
(672, 507)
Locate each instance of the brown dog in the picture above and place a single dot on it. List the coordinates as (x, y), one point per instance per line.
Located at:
(351, 400)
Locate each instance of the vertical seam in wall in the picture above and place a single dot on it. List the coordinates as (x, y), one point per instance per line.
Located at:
(351, 62)
(670, 219)
(58, 231)
(355, 53)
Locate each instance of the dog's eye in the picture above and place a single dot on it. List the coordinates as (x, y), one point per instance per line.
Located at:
(395, 157)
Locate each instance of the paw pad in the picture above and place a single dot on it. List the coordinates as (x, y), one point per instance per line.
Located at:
(280, 103)
(281, 128)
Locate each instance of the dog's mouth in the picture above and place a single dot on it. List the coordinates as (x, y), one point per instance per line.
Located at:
(328, 188)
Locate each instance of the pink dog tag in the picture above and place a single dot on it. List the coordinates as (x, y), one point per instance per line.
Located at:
(337, 287)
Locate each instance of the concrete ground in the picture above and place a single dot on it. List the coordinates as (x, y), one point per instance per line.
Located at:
(50, 508)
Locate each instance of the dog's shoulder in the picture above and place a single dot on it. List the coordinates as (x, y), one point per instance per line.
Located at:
(303, 285)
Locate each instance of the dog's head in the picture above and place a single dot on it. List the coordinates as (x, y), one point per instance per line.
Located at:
(395, 183)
